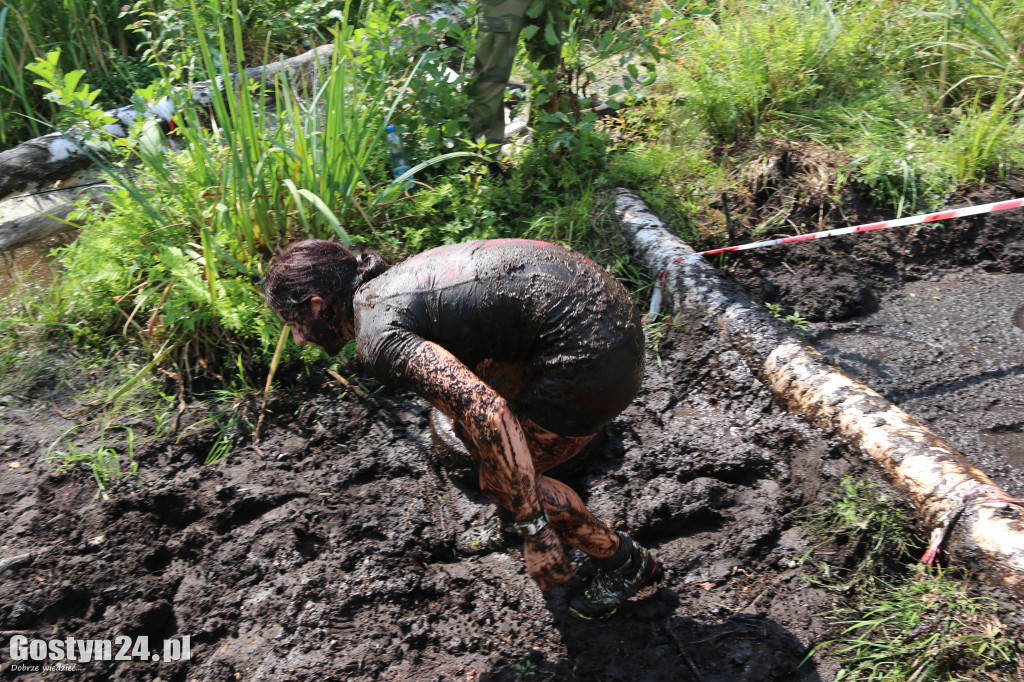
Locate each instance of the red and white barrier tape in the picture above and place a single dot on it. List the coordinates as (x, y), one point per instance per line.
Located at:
(867, 227)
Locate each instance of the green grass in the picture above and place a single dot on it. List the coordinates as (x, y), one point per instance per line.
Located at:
(901, 620)
(985, 142)
(106, 464)
(927, 626)
(751, 62)
(861, 515)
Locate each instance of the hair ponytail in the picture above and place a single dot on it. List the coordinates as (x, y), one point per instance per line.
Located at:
(369, 265)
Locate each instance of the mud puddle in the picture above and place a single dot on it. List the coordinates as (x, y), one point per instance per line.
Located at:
(949, 352)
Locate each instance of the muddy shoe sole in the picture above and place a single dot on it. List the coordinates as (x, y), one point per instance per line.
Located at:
(656, 574)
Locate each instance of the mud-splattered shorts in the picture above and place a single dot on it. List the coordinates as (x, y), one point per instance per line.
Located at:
(577, 397)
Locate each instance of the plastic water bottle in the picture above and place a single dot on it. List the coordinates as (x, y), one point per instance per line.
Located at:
(399, 162)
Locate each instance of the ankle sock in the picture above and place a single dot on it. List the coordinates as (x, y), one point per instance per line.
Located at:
(620, 558)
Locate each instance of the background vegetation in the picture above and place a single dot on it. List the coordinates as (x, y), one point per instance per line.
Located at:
(897, 104)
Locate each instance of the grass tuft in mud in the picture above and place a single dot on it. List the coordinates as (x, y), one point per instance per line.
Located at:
(902, 620)
(105, 463)
(928, 626)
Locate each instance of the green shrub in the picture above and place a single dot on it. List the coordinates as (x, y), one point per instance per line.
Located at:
(175, 259)
(758, 60)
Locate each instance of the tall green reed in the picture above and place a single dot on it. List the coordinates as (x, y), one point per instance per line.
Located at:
(985, 142)
(264, 163)
(984, 41)
(92, 37)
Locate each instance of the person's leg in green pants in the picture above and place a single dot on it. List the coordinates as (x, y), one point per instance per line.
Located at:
(498, 27)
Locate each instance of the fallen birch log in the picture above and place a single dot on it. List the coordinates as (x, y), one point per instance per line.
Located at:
(53, 218)
(55, 156)
(960, 503)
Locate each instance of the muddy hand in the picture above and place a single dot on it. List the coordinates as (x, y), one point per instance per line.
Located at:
(545, 561)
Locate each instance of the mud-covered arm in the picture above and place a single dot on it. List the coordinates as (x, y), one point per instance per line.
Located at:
(483, 415)
(504, 459)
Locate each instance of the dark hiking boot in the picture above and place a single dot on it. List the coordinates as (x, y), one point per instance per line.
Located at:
(611, 588)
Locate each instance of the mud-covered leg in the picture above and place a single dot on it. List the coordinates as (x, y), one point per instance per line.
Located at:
(570, 518)
(573, 522)
(549, 449)
(498, 27)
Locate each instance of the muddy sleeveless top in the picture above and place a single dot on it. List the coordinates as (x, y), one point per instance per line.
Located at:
(568, 322)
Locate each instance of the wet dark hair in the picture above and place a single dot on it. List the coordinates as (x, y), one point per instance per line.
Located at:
(316, 267)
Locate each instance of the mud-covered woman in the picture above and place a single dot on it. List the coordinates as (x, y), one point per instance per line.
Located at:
(527, 347)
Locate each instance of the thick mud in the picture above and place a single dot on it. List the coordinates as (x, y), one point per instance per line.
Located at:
(932, 318)
(332, 551)
(335, 549)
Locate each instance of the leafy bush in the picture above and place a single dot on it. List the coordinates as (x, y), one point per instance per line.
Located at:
(128, 274)
(758, 60)
(174, 261)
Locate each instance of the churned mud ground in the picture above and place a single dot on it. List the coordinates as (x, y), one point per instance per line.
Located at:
(930, 317)
(332, 550)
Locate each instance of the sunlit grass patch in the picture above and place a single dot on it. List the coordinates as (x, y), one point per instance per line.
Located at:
(901, 620)
(928, 626)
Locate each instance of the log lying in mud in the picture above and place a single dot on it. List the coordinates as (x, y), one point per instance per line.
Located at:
(953, 497)
(56, 156)
(36, 226)
(27, 223)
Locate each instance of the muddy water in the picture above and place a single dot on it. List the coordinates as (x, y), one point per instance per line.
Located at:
(949, 351)
(28, 269)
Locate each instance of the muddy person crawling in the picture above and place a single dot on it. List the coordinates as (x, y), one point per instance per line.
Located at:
(528, 348)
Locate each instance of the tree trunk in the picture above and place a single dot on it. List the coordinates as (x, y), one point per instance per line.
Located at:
(46, 221)
(952, 496)
(56, 156)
